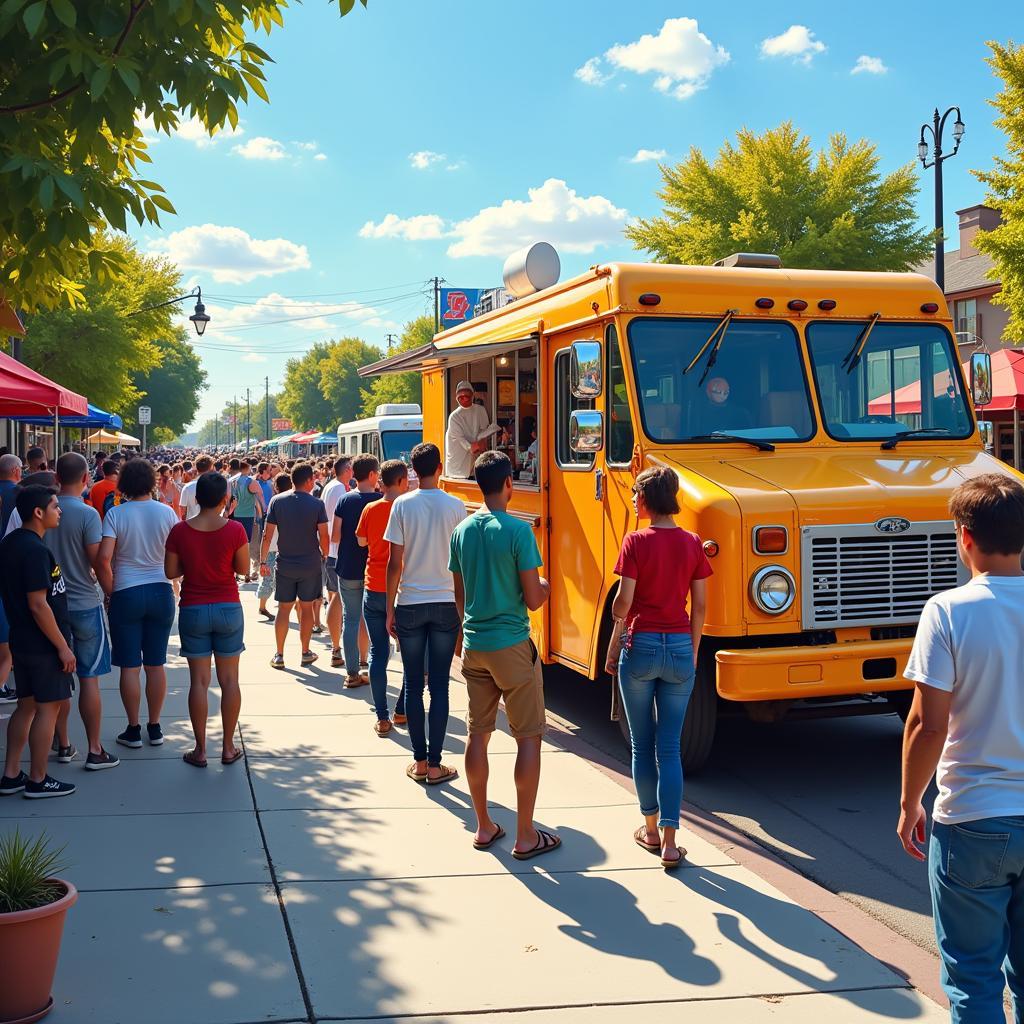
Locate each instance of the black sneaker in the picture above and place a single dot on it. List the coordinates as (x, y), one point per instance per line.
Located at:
(67, 754)
(156, 735)
(9, 786)
(8, 695)
(97, 762)
(47, 788)
(131, 737)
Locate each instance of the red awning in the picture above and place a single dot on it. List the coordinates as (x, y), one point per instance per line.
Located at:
(1007, 387)
(309, 435)
(23, 392)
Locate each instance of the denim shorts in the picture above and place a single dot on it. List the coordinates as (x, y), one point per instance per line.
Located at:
(91, 642)
(206, 629)
(140, 623)
(331, 575)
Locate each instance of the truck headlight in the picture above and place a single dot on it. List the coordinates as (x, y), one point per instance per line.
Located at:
(773, 589)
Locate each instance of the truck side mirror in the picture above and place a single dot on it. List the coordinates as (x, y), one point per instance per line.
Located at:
(586, 431)
(585, 378)
(981, 378)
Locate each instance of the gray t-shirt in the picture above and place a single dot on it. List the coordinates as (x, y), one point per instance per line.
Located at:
(296, 516)
(140, 529)
(79, 525)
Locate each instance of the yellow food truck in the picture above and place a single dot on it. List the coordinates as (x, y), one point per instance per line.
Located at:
(812, 463)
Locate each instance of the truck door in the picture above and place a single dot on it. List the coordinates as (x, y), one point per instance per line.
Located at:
(576, 556)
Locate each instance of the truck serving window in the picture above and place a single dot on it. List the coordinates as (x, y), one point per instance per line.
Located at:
(755, 388)
(879, 395)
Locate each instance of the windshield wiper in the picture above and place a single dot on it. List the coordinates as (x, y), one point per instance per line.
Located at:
(715, 338)
(718, 435)
(890, 444)
(852, 357)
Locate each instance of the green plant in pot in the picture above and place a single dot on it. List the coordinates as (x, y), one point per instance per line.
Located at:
(33, 903)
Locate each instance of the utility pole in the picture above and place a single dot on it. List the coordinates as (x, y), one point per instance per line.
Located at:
(248, 418)
(437, 305)
(390, 339)
(234, 421)
(266, 403)
(216, 432)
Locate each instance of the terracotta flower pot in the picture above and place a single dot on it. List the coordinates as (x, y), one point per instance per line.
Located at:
(30, 940)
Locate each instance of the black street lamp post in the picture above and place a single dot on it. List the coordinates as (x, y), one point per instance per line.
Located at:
(937, 160)
(200, 318)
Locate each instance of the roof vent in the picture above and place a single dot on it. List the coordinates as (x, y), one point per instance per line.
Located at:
(763, 260)
(398, 409)
(531, 269)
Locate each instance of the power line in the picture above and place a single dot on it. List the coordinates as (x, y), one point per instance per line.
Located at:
(313, 295)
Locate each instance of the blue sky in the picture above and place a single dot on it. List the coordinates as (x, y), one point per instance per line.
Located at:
(424, 137)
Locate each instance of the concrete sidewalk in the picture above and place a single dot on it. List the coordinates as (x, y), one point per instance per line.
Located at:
(314, 881)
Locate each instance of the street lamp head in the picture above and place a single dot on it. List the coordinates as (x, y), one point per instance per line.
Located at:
(922, 150)
(200, 319)
(958, 129)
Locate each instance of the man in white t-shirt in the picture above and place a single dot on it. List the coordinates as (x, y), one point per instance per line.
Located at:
(421, 611)
(333, 491)
(966, 725)
(189, 507)
(465, 438)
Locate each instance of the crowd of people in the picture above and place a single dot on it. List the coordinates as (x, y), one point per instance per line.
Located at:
(94, 558)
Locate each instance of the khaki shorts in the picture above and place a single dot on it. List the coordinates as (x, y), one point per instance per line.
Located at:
(512, 673)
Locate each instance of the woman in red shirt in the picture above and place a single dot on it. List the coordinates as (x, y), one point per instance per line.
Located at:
(654, 651)
(209, 551)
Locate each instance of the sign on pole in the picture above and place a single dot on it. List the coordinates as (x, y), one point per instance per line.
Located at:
(281, 424)
(145, 415)
(457, 305)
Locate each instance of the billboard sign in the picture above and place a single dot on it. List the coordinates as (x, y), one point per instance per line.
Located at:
(457, 305)
(281, 424)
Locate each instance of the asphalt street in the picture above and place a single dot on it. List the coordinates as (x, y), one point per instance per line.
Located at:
(822, 794)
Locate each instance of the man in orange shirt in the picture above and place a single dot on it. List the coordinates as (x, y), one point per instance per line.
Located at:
(99, 492)
(394, 478)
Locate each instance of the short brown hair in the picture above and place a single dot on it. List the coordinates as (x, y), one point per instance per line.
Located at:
(204, 464)
(659, 487)
(392, 471)
(301, 475)
(363, 466)
(991, 508)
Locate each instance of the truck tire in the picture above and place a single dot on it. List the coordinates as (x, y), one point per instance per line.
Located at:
(698, 735)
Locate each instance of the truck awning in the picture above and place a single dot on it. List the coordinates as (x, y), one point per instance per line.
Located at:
(440, 353)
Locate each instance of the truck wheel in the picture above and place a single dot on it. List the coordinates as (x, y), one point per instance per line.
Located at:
(900, 701)
(698, 735)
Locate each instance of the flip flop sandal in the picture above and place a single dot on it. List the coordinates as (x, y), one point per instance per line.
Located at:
(638, 838)
(354, 682)
(447, 775)
(337, 659)
(236, 756)
(415, 775)
(546, 842)
(671, 865)
(196, 762)
(500, 834)
(382, 728)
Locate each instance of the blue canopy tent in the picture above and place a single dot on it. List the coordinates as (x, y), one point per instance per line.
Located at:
(95, 418)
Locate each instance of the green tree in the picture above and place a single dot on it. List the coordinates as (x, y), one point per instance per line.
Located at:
(259, 416)
(172, 388)
(1005, 183)
(771, 193)
(302, 399)
(339, 377)
(97, 349)
(400, 387)
(75, 77)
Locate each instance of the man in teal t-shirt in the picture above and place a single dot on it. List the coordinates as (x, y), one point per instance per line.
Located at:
(494, 559)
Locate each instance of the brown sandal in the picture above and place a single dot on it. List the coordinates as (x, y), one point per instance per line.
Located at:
(671, 865)
(640, 838)
(191, 758)
(383, 727)
(447, 775)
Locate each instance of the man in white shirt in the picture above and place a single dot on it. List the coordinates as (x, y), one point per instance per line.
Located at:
(465, 437)
(189, 507)
(334, 490)
(421, 611)
(966, 726)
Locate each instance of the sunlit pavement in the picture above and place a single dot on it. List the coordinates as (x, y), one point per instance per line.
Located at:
(314, 880)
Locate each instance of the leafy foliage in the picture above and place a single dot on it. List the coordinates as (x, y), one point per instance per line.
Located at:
(1005, 244)
(339, 377)
(771, 193)
(302, 399)
(75, 78)
(401, 387)
(27, 869)
(172, 388)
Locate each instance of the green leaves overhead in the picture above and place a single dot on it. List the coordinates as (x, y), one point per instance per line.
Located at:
(772, 193)
(77, 79)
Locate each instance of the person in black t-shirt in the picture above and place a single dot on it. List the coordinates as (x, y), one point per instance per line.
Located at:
(35, 600)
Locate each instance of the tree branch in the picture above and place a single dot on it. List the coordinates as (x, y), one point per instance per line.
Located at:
(49, 101)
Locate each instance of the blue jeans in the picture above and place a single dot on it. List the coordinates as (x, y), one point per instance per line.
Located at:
(656, 680)
(140, 623)
(375, 613)
(211, 629)
(351, 592)
(976, 873)
(427, 631)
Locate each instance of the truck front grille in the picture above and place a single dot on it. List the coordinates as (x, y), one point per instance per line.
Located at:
(855, 576)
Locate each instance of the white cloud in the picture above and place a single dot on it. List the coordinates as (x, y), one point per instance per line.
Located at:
(193, 130)
(320, 156)
(253, 357)
(425, 159)
(260, 147)
(456, 165)
(869, 65)
(229, 254)
(681, 56)
(797, 42)
(590, 73)
(422, 228)
(310, 147)
(642, 156)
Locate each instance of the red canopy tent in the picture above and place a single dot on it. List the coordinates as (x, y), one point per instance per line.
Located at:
(23, 392)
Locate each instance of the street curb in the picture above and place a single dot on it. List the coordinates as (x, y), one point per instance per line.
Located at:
(919, 968)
